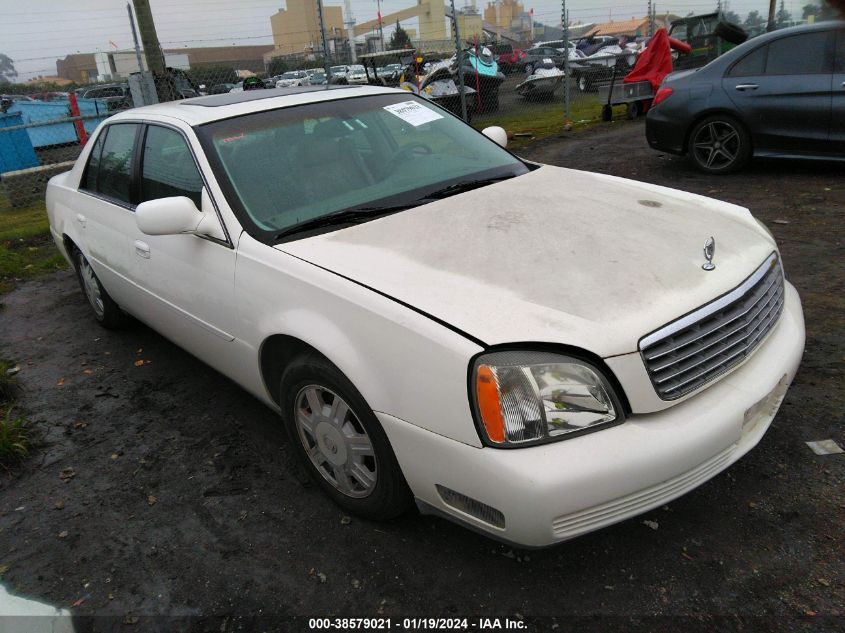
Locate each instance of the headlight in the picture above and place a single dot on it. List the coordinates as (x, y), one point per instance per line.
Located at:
(525, 398)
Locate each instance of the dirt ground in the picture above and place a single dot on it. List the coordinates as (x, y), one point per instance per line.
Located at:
(163, 489)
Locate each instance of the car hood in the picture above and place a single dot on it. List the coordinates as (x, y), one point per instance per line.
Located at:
(555, 255)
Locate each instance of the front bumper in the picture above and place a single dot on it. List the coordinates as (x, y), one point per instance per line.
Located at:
(557, 491)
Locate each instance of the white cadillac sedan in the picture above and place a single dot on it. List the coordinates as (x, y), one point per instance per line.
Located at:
(533, 352)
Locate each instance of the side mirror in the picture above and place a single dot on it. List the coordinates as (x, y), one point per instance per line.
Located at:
(168, 216)
(496, 134)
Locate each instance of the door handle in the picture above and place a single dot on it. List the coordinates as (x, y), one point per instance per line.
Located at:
(744, 87)
(81, 219)
(142, 249)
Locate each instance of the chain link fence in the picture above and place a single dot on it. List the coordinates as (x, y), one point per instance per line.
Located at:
(43, 131)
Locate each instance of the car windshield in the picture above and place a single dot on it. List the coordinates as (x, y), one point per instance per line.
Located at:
(289, 75)
(338, 69)
(356, 69)
(284, 167)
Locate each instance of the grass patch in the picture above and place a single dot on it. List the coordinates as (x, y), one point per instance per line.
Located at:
(543, 120)
(14, 439)
(26, 247)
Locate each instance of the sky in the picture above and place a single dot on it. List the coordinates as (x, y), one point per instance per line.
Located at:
(34, 33)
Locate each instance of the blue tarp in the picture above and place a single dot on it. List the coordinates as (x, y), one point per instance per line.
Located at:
(46, 135)
(15, 147)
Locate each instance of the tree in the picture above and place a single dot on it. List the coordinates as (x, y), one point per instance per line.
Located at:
(7, 69)
(399, 38)
(753, 19)
(783, 16)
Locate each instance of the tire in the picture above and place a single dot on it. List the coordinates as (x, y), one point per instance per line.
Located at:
(632, 111)
(346, 453)
(106, 311)
(731, 33)
(719, 145)
(529, 68)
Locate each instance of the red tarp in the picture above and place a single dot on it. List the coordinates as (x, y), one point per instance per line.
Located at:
(654, 63)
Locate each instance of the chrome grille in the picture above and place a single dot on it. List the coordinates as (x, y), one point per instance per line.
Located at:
(695, 349)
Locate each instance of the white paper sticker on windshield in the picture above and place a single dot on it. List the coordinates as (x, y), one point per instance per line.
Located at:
(412, 112)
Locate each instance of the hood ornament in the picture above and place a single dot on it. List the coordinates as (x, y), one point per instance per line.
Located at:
(709, 251)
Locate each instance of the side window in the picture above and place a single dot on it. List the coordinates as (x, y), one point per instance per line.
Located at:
(840, 52)
(750, 65)
(168, 167)
(806, 54)
(116, 162)
(89, 180)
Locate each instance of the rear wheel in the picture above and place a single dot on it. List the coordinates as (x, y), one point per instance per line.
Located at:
(106, 311)
(340, 441)
(719, 145)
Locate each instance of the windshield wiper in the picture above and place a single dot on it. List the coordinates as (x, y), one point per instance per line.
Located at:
(348, 216)
(466, 185)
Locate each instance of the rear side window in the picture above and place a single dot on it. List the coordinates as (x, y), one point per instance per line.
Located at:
(109, 169)
(89, 180)
(115, 173)
(840, 52)
(752, 64)
(168, 167)
(806, 54)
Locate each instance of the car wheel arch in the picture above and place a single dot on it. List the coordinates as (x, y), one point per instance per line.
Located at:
(715, 112)
(278, 351)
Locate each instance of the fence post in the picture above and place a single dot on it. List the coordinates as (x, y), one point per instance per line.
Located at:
(459, 56)
(78, 124)
(564, 18)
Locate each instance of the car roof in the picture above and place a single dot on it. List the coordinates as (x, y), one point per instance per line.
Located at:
(200, 110)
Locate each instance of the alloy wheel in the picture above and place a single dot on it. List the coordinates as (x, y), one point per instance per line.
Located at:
(335, 441)
(717, 145)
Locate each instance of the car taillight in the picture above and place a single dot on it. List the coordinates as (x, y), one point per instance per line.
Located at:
(662, 95)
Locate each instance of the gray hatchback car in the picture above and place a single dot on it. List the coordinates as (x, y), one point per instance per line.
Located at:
(781, 94)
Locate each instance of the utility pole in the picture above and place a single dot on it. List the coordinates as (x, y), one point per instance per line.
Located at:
(165, 86)
(770, 25)
(325, 43)
(350, 30)
(152, 49)
(564, 20)
(460, 57)
(135, 37)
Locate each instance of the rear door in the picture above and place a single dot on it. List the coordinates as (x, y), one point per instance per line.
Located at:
(106, 209)
(783, 92)
(837, 127)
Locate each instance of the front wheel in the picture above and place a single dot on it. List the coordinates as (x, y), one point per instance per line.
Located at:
(340, 441)
(106, 311)
(719, 145)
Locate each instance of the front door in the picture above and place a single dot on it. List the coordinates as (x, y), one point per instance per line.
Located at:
(187, 280)
(782, 90)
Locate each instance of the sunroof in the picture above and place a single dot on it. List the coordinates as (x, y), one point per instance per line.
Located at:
(230, 98)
